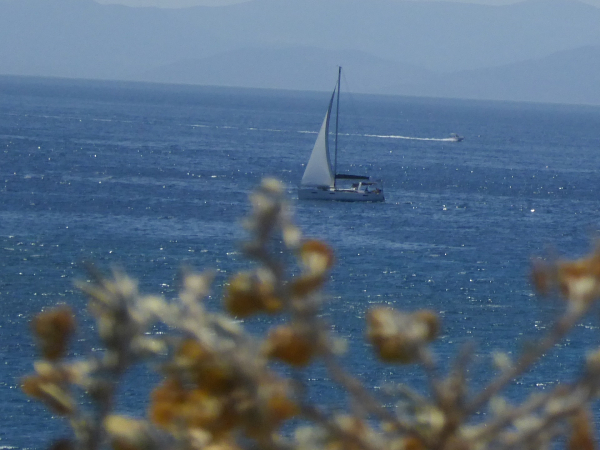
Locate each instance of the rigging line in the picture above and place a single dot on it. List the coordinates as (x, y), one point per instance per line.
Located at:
(337, 116)
(352, 108)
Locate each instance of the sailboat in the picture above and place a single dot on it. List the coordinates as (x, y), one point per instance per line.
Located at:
(320, 180)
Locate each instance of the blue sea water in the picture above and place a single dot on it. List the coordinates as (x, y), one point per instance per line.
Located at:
(151, 177)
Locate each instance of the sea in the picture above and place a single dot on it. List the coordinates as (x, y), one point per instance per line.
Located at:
(150, 178)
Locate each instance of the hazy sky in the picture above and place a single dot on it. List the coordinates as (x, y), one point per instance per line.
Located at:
(186, 3)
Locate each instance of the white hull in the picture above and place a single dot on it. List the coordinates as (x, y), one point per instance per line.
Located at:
(340, 195)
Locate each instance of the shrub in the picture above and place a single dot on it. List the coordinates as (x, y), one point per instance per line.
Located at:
(220, 389)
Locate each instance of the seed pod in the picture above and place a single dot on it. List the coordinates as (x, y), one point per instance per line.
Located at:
(397, 336)
(53, 329)
(128, 434)
(250, 293)
(579, 280)
(306, 284)
(316, 257)
(290, 345)
(431, 322)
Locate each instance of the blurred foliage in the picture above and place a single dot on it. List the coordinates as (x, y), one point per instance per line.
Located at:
(220, 389)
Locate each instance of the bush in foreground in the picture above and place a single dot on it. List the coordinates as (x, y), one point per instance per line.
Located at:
(220, 389)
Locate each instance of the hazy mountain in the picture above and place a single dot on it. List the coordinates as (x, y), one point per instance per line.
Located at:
(569, 76)
(299, 68)
(80, 38)
(436, 35)
(388, 45)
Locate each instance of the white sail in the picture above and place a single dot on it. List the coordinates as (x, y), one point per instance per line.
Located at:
(318, 170)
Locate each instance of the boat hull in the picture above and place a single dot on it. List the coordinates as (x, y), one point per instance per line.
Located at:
(339, 195)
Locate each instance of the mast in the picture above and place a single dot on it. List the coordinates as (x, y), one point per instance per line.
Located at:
(337, 115)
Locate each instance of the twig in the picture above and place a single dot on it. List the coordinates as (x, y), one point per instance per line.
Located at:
(558, 331)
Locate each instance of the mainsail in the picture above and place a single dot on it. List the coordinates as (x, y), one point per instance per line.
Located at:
(318, 170)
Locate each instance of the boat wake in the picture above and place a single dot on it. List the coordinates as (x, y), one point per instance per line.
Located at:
(378, 136)
(381, 136)
(391, 136)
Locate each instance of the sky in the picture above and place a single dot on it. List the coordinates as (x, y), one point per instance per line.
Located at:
(187, 3)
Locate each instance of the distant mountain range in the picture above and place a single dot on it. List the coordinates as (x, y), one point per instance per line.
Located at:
(537, 50)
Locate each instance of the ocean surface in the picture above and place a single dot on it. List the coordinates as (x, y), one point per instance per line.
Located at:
(150, 177)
